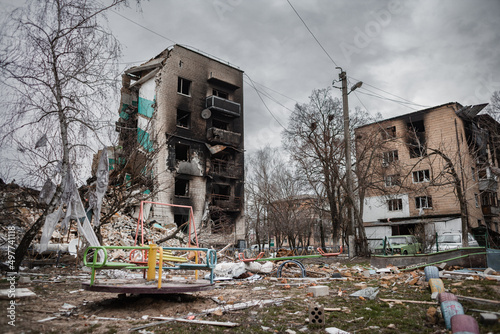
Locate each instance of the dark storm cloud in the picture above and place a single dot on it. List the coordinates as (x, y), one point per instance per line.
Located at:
(430, 52)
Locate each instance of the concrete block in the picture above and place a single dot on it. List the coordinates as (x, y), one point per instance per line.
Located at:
(489, 271)
(24, 279)
(316, 315)
(488, 318)
(318, 290)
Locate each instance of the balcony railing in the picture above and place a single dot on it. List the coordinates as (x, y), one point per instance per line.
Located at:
(488, 184)
(227, 107)
(216, 135)
(226, 202)
(225, 168)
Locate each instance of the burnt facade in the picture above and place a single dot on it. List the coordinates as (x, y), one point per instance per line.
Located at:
(415, 185)
(184, 109)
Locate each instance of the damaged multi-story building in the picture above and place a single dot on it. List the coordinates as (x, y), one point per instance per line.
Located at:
(183, 111)
(417, 155)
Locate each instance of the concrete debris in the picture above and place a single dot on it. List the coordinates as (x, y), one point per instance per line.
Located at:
(369, 293)
(18, 293)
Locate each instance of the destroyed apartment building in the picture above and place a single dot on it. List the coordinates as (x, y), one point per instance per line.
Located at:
(416, 187)
(182, 111)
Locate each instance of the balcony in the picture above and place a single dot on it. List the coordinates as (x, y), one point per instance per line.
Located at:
(488, 184)
(490, 211)
(225, 202)
(224, 168)
(216, 135)
(224, 106)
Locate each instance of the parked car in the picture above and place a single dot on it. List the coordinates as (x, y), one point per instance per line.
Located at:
(452, 240)
(400, 244)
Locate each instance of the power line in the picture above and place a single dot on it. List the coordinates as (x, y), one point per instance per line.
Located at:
(140, 25)
(269, 110)
(399, 97)
(333, 61)
(269, 96)
(404, 104)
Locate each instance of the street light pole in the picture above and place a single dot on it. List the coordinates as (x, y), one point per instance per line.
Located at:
(351, 230)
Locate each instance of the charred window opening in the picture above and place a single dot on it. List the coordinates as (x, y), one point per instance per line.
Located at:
(181, 187)
(180, 220)
(183, 119)
(184, 86)
(221, 191)
(416, 139)
(182, 152)
(389, 133)
(220, 93)
(220, 124)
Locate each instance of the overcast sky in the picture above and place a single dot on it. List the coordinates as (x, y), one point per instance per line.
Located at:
(427, 52)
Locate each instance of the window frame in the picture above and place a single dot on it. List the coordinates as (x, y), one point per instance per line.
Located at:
(185, 114)
(419, 176)
(186, 192)
(390, 156)
(428, 202)
(181, 85)
(395, 204)
(392, 180)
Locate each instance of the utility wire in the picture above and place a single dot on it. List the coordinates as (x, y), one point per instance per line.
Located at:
(140, 25)
(333, 61)
(272, 98)
(399, 97)
(269, 110)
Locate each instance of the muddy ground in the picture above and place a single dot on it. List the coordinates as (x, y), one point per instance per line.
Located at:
(59, 296)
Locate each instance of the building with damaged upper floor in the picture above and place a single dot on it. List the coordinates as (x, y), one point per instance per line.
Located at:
(421, 158)
(184, 111)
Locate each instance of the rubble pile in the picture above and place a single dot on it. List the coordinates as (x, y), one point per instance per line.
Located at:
(19, 208)
(122, 231)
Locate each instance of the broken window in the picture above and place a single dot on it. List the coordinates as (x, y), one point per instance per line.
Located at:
(221, 94)
(389, 133)
(489, 198)
(421, 176)
(392, 180)
(181, 187)
(423, 202)
(390, 157)
(395, 204)
(181, 152)
(180, 220)
(416, 139)
(183, 119)
(473, 172)
(184, 86)
(220, 124)
(221, 191)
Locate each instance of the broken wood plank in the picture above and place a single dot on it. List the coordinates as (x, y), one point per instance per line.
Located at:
(479, 300)
(407, 301)
(47, 319)
(199, 322)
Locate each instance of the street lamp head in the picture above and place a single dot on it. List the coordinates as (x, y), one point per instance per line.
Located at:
(357, 85)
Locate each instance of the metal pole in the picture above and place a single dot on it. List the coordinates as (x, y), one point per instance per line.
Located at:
(347, 137)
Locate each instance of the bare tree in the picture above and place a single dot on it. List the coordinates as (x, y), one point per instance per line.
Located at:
(315, 140)
(59, 74)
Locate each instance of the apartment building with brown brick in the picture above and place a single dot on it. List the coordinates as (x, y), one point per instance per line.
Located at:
(188, 107)
(413, 184)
